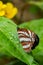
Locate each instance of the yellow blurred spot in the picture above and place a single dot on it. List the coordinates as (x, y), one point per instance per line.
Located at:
(2, 13)
(4, 6)
(12, 13)
(1, 4)
(9, 5)
(8, 10)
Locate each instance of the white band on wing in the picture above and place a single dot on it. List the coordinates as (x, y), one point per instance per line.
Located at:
(23, 33)
(26, 46)
(30, 33)
(25, 39)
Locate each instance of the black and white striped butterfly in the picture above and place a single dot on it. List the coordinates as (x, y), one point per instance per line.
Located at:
(28, 39)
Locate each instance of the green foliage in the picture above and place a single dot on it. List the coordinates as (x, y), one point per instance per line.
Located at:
(9, 42)
(37, 27)
(39, 4)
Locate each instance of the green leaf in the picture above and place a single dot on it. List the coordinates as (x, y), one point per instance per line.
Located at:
(37, 27)
(39, 4)
(9, 42)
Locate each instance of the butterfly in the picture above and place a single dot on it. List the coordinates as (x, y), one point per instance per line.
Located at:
(28, 39)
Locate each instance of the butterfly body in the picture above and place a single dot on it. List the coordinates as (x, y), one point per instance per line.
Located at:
(27, 39)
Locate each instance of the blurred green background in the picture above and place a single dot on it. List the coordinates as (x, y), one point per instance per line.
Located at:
(27, 10)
